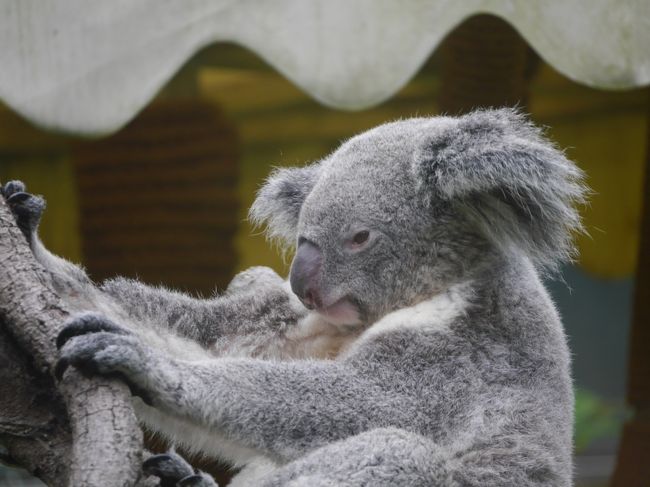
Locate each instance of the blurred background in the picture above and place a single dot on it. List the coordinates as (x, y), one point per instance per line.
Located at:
(165, 197)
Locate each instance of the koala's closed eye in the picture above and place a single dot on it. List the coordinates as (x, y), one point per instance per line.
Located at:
(359, 239)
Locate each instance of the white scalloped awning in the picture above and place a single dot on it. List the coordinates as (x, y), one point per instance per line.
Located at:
(88, 66)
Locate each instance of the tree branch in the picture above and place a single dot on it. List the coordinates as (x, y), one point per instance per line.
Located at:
(106, 442)
(33, 422)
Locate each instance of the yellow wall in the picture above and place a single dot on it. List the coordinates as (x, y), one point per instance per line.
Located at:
(41, 160)
(603, 131)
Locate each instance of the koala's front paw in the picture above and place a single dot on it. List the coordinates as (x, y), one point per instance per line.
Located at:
(95, 345)
(27, 208)
(255, 279)
(174, 471)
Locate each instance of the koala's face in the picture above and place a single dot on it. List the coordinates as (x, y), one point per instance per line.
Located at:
(401, 212)
(366, 241)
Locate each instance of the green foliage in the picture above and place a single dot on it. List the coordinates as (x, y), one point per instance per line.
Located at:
(595, 418)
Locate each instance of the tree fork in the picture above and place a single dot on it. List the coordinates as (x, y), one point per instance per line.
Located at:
(100, 434)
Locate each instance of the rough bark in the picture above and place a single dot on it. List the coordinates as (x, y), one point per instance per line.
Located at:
(98, 441)
(33, 422)
(633, 465)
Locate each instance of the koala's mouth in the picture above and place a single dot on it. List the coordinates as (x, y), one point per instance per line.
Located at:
(342, 312)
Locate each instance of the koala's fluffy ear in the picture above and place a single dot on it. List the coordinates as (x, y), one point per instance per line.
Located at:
(280, 199)
(498, 168)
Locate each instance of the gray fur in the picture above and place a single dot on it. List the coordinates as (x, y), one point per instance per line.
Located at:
(519, 188)
(455, 368)
(280, 200)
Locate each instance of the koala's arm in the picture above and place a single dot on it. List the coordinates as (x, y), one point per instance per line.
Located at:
(284, 409)
(279, 408)
(28, 210)
(257, 299)
(320, 417)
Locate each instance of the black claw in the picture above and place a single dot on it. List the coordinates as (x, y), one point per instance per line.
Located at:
(167, 464)
(86, 324)
(152, 464)
(86, 367)
(194, 481)
(136, 390)
(18, 197)
(13, 187)
(27, 208)
(168, 467)
(60, 368)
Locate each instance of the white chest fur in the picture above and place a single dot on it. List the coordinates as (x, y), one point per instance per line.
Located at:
(315, 338)
(434, 314)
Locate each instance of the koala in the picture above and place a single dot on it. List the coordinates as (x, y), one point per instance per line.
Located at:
(413, 343)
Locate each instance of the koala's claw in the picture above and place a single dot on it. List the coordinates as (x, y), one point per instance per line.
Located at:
(95, 345)
(174, 471)
(81, 362)
(83, 342)
(26, 207)
(12, 187)
(168, 467)
(18, 197)
(199, 480)
(87, 323)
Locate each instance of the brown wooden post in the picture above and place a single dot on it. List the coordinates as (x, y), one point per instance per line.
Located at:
(633, 467)
(485, 63)
(159, 199)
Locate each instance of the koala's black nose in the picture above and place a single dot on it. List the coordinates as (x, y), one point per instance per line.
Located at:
(305, 274)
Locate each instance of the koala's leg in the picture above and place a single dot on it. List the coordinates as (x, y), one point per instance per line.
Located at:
(384, 457)
(174, 471)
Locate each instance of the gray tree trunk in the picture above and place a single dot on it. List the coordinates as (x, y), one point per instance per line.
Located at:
(78, 432)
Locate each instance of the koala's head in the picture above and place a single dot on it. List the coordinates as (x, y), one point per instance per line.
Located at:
(403, 211)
